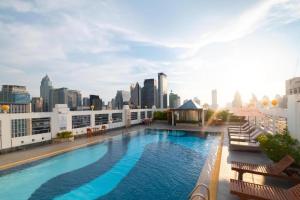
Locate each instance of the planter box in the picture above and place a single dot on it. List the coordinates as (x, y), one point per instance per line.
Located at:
(61, 140)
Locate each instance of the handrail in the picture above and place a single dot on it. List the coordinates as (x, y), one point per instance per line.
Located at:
(197, 195)
(191, 195)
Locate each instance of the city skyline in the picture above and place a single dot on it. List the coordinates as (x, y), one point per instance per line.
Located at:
(249, 47)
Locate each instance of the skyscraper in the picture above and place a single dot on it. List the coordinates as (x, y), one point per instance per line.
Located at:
(45, 89)
(16, 97)
(149, 93)
(86, 102)
(58, 96)
(174, 100)
(74, 99)
(214, 99)
(135, 95)
(237, 101)
(162, 90)
(96, 102)
(122, 98)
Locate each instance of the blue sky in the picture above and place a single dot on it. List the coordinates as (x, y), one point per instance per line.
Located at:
(99, 47)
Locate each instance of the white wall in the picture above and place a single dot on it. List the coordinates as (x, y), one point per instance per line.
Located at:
(61, 119)
(294, 116)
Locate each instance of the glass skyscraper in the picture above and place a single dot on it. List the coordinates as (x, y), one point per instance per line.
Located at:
(16, 97)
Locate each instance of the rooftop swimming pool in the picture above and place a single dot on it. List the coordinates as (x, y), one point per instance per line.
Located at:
(148, 164)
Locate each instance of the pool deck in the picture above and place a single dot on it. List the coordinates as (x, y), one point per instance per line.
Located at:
(226, 174)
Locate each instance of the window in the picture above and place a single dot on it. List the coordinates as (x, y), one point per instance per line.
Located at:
(143, 115)
(79, 121)
(101, 119)
(117, 117)
(40, 125)
(19, 127)
(134, 115)
(149, 114)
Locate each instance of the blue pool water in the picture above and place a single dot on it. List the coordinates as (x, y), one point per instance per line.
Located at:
(150, 164)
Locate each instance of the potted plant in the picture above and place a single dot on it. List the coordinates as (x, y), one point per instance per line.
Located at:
(65, 136)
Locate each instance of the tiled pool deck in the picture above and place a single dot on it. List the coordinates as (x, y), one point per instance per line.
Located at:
(226, 173)
(28, 155)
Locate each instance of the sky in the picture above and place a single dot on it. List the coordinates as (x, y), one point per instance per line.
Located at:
(99, 47)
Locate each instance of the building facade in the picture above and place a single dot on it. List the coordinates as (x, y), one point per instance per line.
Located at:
(162, 90)
(16, 97)
(74, 99)
(86, 102)
(30, 128)
(237, 101)
(174, 100)
(149, 93)
(122, 98)
(135, 96)
(58, 96)
(37, 104)
(45, 90)
(292, 86)
(96, 102)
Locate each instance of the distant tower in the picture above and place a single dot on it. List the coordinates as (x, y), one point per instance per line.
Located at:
(45, 88)
(237, 101)
(162, 90)
(135, 95)
(214, 99)
(149, 93)
(174, 100)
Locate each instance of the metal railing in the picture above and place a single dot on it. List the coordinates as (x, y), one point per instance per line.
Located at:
(192, 195)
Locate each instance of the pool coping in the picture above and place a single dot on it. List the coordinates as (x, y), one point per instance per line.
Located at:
(209, 175)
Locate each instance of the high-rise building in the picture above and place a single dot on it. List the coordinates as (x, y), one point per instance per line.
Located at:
(113, 104)
(96, 102)
(135, 96)
(149, 93)
(162, 90)
(174, 100)
(292, 86)
(37, 104)
(122, 98)
(237, 101)
(86, 102)
(58, 96)
(74, 99)
(214, 100)
(45, 89)
(16, 97)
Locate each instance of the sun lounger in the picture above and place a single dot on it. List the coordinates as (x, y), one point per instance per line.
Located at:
(244, 146)
(252, 128)
(241, 126)
(274, 170)
(245, 190)
(245, 137)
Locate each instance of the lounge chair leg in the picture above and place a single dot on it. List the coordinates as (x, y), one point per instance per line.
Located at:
(240, 177)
